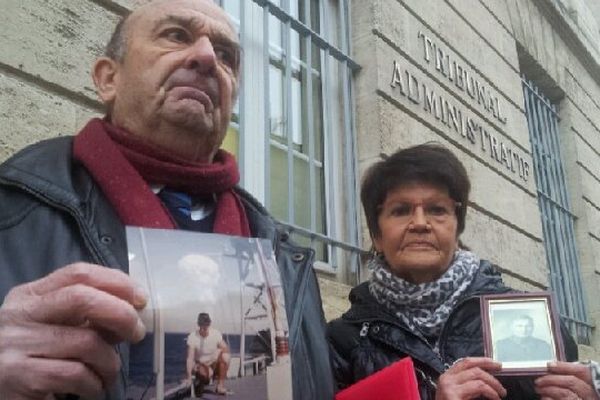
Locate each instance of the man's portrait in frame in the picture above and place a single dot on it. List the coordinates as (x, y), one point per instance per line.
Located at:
(520, 331)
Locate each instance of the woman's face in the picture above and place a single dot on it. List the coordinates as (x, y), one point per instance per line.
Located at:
(418, 231)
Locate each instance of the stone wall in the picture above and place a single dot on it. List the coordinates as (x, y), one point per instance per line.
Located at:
(46, 52)
(427, 72)
(47, 48)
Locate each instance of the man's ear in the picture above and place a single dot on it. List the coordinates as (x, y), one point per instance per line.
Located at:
(105, 74)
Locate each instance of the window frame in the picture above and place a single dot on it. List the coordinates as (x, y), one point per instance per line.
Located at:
(558, 221)
(255, 141)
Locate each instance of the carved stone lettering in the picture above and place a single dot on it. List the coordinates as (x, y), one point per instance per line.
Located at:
(430, 104)
(458, 73)
(481, 96)
(504, 155)
(525, 170)
(414, 94)
(397, 78)
(494, 147)
(457, 119)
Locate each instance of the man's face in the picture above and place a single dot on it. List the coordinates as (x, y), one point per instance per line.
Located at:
(203, 330)
(522, 328)
(179, 77)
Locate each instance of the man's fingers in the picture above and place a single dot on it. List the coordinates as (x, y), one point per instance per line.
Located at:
(35, 378)
(105, 279)
(67, 343)
(81, 294)
(80, 304)
(54, 332)
(63, 376)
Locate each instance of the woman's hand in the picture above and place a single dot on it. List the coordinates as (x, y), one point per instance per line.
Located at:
(566, 381)
(470, 378)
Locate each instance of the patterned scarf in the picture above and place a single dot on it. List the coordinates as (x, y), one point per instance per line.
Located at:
(425, 307)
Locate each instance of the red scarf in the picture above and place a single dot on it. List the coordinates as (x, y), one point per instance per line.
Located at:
(123, 165)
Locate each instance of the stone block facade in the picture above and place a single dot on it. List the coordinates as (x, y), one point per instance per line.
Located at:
(451, 73)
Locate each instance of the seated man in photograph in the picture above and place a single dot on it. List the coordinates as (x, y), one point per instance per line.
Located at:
(207, 356)
(520, 345)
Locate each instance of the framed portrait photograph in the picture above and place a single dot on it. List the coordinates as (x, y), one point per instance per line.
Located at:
(521, 331)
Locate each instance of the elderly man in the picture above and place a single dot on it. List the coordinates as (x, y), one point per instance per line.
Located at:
(169, 81)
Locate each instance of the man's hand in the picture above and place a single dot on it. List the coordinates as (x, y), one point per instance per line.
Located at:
(470, 378)
(566, 381)
(57, 334)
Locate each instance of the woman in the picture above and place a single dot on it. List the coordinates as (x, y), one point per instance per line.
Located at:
(422, 300)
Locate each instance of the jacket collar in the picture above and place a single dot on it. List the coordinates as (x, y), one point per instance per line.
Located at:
(48, 171)
(45, 170)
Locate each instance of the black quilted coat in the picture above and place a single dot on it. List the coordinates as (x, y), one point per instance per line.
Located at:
(367, 338)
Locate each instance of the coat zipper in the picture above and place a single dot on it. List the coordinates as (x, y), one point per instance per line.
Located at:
(364, 331)
(367, 324)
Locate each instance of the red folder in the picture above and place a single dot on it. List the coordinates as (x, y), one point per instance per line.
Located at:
(395, 382)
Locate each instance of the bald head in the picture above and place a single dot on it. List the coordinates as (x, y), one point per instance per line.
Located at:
(116, 47)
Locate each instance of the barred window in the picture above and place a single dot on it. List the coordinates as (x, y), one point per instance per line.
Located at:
(293, 130)
(557, 218)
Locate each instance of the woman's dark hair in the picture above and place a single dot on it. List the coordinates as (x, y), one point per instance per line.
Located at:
(428, 163)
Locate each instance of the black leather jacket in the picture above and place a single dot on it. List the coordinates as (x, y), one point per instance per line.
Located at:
(52, 214)
(368, 338)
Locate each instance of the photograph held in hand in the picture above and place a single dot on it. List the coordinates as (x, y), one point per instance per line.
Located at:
(521, 331)
(216, 318)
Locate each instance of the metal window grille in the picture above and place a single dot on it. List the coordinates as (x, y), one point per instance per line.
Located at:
(557, 218)
(309, 145)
